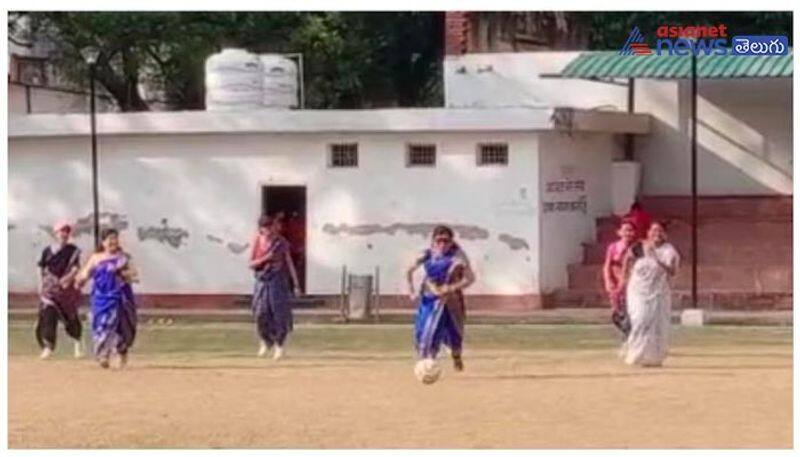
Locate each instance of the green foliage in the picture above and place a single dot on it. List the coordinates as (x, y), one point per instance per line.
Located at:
(351, 60)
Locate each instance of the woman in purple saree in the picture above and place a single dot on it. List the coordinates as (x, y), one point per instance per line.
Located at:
(112, 302)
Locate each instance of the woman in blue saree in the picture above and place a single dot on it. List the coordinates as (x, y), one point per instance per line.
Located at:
(112, 302)
(441, 312)
(271, 260)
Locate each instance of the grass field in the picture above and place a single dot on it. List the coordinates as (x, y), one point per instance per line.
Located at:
(200, 386)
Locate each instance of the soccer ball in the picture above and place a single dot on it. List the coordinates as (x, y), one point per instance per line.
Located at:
(427, 371)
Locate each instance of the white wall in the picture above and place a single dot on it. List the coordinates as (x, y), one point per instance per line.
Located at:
(582, 156)
(209, 185)
(744, 136)
(514, 80)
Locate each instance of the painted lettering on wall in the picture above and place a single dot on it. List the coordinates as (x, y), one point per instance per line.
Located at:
(566, 185)
(577, 205)
(565, 193)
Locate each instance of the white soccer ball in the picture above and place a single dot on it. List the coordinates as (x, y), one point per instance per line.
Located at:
(427, 371)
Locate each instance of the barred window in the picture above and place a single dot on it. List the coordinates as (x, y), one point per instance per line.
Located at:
(344, 155)
(492, 154)
(421, 155)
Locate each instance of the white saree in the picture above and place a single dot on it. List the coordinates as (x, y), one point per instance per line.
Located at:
(649, 299)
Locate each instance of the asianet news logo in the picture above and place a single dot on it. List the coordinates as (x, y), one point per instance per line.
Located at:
(703, 39)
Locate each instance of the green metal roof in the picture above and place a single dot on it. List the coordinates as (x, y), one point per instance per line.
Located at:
(609, 64)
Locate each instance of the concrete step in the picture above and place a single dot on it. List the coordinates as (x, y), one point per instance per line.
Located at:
(715, 252)
(742, 207)
(717, 230)
(570, 316)
(681, 299)
(711, 278)
(179, 301)
(307, 302)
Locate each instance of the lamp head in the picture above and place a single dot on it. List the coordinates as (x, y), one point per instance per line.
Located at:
(90, 54)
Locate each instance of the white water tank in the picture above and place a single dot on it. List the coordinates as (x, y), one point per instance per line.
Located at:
(234, 81)
(279, 81)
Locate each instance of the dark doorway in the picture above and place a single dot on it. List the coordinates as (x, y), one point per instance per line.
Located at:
(290, 203)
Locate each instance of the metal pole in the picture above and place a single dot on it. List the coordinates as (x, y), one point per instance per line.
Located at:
(694, 180)
(302, 83)
(343, 302)
(629, 136)
(28, 106)
(377, 293)
(95, 196)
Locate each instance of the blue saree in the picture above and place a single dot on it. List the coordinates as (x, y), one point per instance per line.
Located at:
(440, 320)
(113, 309)
(271, 308)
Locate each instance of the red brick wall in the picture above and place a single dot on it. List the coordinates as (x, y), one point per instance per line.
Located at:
(456, 28)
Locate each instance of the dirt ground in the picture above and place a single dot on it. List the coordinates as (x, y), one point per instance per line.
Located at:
(707, 395)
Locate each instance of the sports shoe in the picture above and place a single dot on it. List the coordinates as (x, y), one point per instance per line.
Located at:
(278, 354)
(46, 353)
(458, 364)
(77, 349)
(263, 349)
(104, 362)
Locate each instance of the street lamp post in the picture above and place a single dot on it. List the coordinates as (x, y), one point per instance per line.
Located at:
(91, 55)
(694, 179)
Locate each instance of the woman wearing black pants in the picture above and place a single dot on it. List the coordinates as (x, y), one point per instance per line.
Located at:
(58, 297)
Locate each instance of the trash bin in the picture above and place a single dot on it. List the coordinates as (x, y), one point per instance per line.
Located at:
(359, 297)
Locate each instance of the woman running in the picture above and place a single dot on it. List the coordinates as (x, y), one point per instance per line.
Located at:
(651, 264)
(112, 302)
(58, 297)
(441, 312)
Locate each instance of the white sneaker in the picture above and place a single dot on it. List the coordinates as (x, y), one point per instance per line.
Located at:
(263, 349)
(278, 354)
(46, 353)
(78, 349)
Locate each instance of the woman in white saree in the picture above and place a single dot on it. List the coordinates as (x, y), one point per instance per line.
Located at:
(648, 269)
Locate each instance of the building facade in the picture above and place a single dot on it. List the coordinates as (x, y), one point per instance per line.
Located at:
(185, 189)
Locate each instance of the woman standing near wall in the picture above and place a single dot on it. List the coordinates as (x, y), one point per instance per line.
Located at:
(270, 258)
(651, 264)
(113, 305)
(441, 312)
(58, 298)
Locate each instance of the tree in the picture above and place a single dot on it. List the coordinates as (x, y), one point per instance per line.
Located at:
(123, 40)
(352, 59)
(408, 48)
